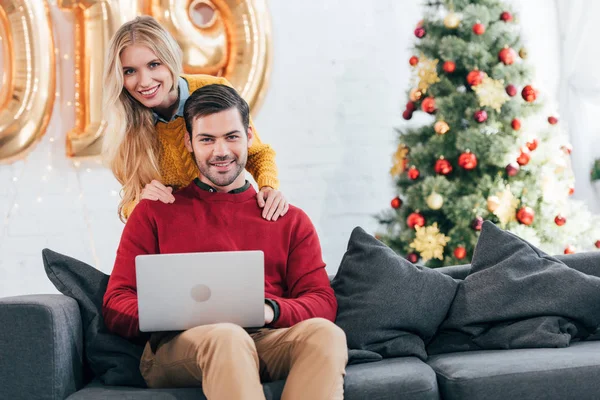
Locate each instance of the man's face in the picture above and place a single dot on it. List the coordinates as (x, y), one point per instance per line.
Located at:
(220, 146)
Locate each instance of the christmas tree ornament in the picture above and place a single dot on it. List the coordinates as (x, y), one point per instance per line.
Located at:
(415, 94)
(507, 206)
(413, 173)
(414, 60)
(560, 220)
(523, 158)
(449, 67)
(480, 116)
(441, 127)
(492, 203)
(571, 190)
(511, 90)
(430, 242)
(428, 105)
(427, 73)
(478, 28)
(570, 249)
(512, 169)
(412, 257)
(597, 244)
(525, 215)
(523, 53)
(475, 77)
(415, 219)
(516, 124)
(420, 32)
(528, 94)
(532, 144)
(451, 21)
(435, 201)
(477, 223)
(507, 55)
(491, 93)
(552, 120)
(567, 148)
(460, 252)
(407, 114)
(506, 16)
(410, 106)
(442, 166)
(396, 202)
(467, 161)
(399, 160)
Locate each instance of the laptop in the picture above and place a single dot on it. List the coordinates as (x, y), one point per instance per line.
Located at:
(181, 291)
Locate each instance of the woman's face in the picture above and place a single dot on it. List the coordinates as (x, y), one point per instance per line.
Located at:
(145, 77)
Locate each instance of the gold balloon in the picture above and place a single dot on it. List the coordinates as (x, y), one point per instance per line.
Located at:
(28, 76)
(415, 94)
(451, 21)
(441, 127)
(492, 203)
(435, 201)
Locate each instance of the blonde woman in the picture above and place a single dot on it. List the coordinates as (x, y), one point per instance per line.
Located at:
(144, 95)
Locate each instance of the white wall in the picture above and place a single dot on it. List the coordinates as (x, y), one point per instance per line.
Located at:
(337, 90)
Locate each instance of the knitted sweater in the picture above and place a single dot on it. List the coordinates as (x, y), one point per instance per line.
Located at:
(177, 165)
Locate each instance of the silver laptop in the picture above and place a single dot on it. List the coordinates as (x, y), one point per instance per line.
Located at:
(182, 291)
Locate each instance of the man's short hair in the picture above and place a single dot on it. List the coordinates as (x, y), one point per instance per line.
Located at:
(212, 99)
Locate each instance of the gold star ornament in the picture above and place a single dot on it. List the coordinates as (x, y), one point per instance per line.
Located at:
(430, 242)
(491, 93)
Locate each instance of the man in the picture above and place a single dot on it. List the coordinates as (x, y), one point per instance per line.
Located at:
(218, 212)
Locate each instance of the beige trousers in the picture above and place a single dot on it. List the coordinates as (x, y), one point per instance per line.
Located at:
(230, 364)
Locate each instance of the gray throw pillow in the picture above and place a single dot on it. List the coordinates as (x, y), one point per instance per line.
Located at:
(111, 358)
(386, 304)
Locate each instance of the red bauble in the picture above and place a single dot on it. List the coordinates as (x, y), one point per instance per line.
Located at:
(467, 161)
(414, 60)
(552, 120)
(449, 67)
(443, 166)
(571, 191)
(597, 244)
(507, 56)
(410, 106)
(407, 114)
(560, 220)
(412, 257)
(516, 124)
(396, 202)
(475, 77)
(528, 94)
(532, 145)
(512, 169)
(420, 32)
(413, 173)
(480, 116)
(525, 215)
(511, 90)
(567, 148)
(478, 28)
(477, 223)
(523, 158)
(460, 252)
(570, 249)
(506, 16)
(428, 105)
(415, 219)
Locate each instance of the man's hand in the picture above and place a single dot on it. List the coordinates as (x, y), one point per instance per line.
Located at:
(272, 202)
(269, 314)
(157, 191)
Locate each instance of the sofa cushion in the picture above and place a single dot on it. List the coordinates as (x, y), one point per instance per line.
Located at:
(386, 304)
(405, 378)
(563, 373)
(111, 358)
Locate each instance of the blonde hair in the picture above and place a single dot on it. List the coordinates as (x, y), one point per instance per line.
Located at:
(130, 147)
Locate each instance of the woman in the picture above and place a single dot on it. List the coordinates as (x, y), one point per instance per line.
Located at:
(144, 94)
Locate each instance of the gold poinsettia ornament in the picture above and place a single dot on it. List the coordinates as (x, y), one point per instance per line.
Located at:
(426, 71)
(430, 242)
(492, 93)
(506, 208)
(399, 163)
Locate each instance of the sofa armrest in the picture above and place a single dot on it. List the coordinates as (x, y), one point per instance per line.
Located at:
(41, 347)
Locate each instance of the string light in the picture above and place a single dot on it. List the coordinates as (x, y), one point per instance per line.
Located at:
(39, 199)
(15, 179)
(66, 56)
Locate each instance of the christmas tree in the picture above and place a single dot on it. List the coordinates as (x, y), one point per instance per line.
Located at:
(489, 150)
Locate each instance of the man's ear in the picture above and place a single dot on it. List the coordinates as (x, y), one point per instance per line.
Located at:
(250, 136)
(188, 142)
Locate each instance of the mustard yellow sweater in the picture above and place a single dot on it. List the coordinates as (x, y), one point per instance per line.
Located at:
(177, 165)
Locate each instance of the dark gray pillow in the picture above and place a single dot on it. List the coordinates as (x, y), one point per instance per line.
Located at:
(386, 304)
(111, 358)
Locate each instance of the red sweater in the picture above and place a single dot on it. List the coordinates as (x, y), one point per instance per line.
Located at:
(203, 221)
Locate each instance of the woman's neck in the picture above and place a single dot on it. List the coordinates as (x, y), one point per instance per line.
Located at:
(169, 106)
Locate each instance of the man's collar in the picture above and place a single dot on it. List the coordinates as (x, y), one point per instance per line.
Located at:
(211, 189)
(184, 93)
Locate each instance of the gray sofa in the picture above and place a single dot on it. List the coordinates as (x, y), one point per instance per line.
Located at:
(41, 348)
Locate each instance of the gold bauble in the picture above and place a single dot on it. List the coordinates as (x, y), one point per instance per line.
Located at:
(451, 21)
(441, 127)
(415, 94)
(523, 53)
(435, 201)
(492, 203)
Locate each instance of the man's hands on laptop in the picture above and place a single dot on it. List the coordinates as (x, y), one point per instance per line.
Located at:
(269, 314)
